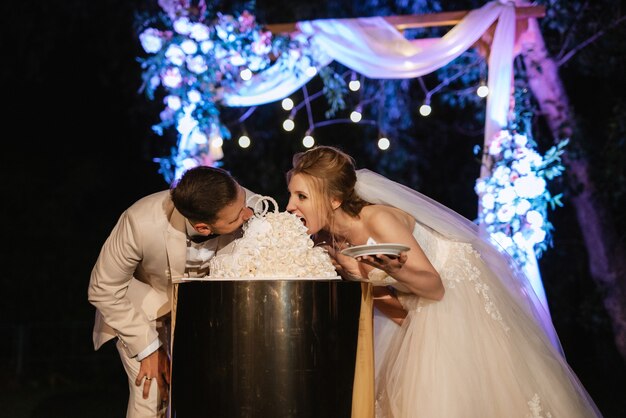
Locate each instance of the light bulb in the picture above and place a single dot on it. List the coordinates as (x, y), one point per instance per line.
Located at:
(308, 141)
(425, 109)
(482, 91)
(383, 143)
(288, 125)
(245, 74)
(244, 141)
(354, 85)
(287, 104)
(355, 116)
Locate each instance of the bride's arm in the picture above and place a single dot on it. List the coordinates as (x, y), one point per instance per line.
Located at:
(412, 269)
(386, 301)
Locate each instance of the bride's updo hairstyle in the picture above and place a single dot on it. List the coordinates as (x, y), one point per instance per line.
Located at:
(331, 174)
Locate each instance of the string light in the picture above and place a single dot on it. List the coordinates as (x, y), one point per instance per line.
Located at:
(244, 141)
(308, 141)
(356, 116)
(383, 143)
(287, 104)
(245, 74)
(425, 109)
(288, 125)
(354, 84)
(482, 91)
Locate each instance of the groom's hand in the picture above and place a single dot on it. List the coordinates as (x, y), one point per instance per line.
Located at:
(155, 367)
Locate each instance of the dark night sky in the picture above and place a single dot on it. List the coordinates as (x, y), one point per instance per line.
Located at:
(77, 152)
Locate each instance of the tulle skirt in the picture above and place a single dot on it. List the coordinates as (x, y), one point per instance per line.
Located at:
(474, 354)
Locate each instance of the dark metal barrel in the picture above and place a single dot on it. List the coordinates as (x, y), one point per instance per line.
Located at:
(265, 349)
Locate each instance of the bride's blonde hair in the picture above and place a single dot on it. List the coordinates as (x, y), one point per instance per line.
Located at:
(331, 174)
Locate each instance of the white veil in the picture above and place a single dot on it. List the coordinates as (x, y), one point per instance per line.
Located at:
(377, 189)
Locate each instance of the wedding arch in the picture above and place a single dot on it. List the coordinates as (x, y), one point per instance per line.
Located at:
(229, 65)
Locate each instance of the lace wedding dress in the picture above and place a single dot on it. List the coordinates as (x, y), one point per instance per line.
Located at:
(486, 349)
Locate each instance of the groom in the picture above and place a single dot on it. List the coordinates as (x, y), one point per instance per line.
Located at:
(165, 236)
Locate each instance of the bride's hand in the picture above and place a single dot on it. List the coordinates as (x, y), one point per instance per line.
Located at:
(389, 264)
(346, 266)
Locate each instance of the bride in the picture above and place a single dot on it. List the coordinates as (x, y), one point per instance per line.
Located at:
(458, 329)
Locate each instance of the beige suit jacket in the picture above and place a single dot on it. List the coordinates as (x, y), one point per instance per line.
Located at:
(131, 282)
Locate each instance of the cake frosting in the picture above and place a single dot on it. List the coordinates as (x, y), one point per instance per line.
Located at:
(274, 245)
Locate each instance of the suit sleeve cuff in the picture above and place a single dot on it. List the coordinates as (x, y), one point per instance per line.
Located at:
(154, 346)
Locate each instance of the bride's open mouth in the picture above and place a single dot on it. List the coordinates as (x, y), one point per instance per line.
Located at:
(303, 220)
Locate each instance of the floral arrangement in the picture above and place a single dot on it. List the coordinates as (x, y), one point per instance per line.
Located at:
(514, 199)
(192, 60)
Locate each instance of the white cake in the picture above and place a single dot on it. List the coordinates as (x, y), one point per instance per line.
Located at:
(275, 245)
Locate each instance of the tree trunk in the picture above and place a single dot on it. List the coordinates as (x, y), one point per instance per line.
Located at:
(606, 254)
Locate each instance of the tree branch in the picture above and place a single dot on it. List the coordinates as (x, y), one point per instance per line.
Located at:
(570, 31)
(588, 41)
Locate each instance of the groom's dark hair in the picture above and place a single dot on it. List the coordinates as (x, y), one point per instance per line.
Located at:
(202, 192)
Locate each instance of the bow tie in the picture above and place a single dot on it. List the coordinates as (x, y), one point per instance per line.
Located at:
(198, 239)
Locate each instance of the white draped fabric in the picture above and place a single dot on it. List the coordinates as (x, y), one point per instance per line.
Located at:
(374, 48)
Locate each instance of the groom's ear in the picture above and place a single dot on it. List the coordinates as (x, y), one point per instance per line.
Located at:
(202, 228)
(335, 203)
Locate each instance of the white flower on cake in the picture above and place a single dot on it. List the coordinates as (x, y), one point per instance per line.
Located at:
(274, 245)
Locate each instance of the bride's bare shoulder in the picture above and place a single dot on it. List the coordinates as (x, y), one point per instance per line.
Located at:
(384, 215)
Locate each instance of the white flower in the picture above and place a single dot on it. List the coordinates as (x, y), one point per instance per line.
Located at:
(519, 240)
(487, 201)
(481, 186)
(538, 235)
(522, 166)
(151, 40)
(189, 47)
(221, 33)
(506, 195)
(520, 140)
(505, 213)
(182, 25)
(490, 218)
(197, 64)
(175, 55)
(255, 63)
(186, 124)
(237, 60)
(194, 96)
(502, 175)
(172, 78)
(200, 32)
(535, 218)
(522, 206)
(529, 186)
(535, 159)
(206, 46)
(173, 102)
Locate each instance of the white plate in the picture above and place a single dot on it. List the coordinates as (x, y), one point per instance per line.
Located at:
(373, 249)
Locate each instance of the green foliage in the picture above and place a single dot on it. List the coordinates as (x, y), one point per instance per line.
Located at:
(334, 89)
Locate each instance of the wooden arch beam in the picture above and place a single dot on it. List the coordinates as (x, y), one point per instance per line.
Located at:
(404, 22)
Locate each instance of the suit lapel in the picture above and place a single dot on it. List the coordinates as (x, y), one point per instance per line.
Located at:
(176, 244)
